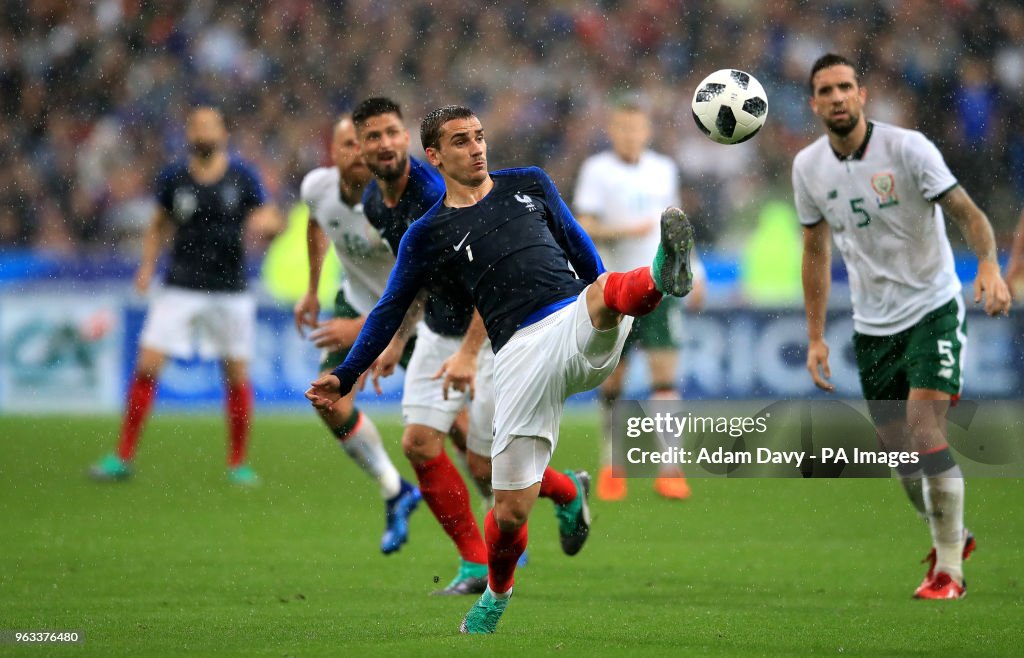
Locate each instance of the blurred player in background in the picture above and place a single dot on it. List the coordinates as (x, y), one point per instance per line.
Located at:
(507, 239)
(620, 194)
(334, 196)
(205, 203)
(882, 193)
(1015, 268)
(402, 189)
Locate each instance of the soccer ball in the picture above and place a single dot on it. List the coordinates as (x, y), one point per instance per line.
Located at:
(729, 106)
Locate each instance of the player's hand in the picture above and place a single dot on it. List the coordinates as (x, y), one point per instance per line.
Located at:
(989, 283)
(1015, 277)
(695, 300)
(143, 277)
(639, 230)
(817, 364)
(336, 334)
(459, 373)
(386, 364)
(325, 391)
(307, 311)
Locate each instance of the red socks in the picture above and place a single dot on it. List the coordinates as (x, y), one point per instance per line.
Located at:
(503, 551)
(559, 487)
(239, 411)
(631, 293)
(141, 392)
(446, 495)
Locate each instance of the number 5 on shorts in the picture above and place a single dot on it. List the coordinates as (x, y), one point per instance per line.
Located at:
(946, 351)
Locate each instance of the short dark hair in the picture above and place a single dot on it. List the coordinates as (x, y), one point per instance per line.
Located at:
(430, 129)
(628, 106)
(827, 60)
(374, 107)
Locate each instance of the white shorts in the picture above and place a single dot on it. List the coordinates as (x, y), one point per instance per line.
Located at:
(183, 322)
(541, 366)
(481, 409)
(423, 400)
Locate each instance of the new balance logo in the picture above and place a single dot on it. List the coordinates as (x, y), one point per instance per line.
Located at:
(462, 242)
(527, 201)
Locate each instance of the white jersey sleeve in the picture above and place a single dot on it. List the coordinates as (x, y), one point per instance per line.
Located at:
(925, 163)
(311, 191)
(588, 198)
(365, 257)
(806, 209)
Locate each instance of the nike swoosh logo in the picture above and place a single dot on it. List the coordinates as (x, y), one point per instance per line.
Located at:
(459, 246)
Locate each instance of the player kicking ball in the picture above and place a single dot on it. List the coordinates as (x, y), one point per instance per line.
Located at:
(507, 239)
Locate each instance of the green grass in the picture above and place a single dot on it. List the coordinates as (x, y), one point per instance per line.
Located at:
(177, 562)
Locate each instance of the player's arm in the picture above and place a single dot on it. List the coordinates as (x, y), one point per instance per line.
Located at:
(459, 370)
(158, 234)
(569, 234)
(977, 231)
(598, 232)
(266, 221)
(695, 300)
(816, 274)
(307, 309)
(403, 284)
(1015, 269)
(386, 364)
(589, 200)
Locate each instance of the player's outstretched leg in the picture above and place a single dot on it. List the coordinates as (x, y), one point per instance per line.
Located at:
(639, 291)
(671, 269)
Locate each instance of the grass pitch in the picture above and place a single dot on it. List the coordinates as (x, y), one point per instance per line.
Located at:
(177, 562)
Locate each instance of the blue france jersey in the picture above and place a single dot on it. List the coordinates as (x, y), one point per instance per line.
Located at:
(510, 252)
(207, 253)
(448, 311)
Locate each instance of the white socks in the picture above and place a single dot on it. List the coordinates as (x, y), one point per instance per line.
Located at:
(365, 448)
(944, 498)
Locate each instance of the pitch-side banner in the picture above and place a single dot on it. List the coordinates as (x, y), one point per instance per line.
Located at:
(60, 354)
(761, 355)
(81, 351)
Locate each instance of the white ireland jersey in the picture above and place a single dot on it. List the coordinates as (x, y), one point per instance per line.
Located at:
(365, 257)
(620, 195)
(881, 204)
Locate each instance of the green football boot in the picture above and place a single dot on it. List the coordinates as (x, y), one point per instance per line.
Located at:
(243, 475)
(483, 617)
(471, 579)
(110, 469)
(671, 269)
(574, 516)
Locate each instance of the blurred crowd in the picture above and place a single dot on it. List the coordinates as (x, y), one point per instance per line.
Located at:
(93, 94)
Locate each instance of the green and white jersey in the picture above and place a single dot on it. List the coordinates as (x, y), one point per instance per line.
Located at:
(619, 195)
(880, 203)
(365, 257)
